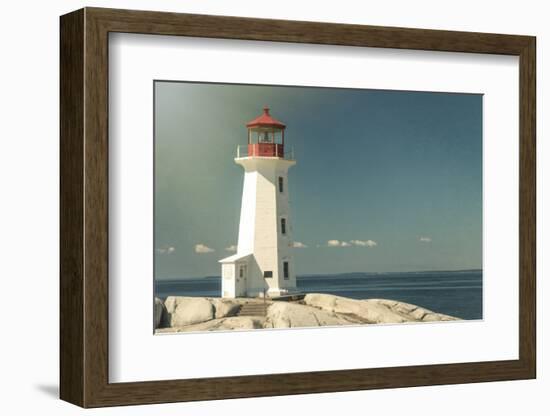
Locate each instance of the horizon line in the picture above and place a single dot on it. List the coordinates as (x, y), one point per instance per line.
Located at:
(335, 274)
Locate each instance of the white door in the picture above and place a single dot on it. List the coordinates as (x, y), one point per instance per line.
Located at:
(241, 280)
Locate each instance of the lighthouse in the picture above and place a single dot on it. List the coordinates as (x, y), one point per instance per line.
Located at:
(263, 263)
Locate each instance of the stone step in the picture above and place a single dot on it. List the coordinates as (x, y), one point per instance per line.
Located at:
(253, 309)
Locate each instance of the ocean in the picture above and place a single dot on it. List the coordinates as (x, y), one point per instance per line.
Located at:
(456, 293)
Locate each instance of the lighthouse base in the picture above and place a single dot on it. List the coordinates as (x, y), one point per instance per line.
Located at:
(242, 277)
(230, 291)
(279, 292)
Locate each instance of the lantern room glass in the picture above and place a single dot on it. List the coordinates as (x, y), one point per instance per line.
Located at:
(263, 135)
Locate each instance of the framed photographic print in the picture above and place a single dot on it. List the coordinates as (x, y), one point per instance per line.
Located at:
(255, 207)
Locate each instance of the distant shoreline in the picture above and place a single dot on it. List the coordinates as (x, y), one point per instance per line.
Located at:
(307, 275)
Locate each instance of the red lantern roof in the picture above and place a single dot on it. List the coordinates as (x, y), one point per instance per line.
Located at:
(265, 120)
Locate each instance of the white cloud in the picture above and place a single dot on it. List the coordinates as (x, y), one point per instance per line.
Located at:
(337, 243)
(359, 243)
(203, 249)
(165, 250)
(425, 239)
(364, 243)
(297, 244)
(232, 248)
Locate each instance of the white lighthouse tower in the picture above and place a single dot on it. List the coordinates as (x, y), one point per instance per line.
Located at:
(263, 262)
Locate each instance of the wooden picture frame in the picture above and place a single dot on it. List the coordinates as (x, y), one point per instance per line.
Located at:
(84, 207)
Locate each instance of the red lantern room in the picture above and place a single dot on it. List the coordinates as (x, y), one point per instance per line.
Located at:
(266, 136)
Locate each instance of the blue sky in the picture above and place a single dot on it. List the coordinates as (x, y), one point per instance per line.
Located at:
(394, 176)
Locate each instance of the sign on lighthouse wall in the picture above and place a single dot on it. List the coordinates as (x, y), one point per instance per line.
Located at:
(263, 263)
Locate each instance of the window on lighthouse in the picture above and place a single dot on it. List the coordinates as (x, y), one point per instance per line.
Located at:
(285, 270)
(283, 226)
(281, 188)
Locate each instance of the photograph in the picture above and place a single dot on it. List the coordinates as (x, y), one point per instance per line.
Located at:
(281, 207)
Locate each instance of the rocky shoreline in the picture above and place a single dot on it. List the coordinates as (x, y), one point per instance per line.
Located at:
(190, 314)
